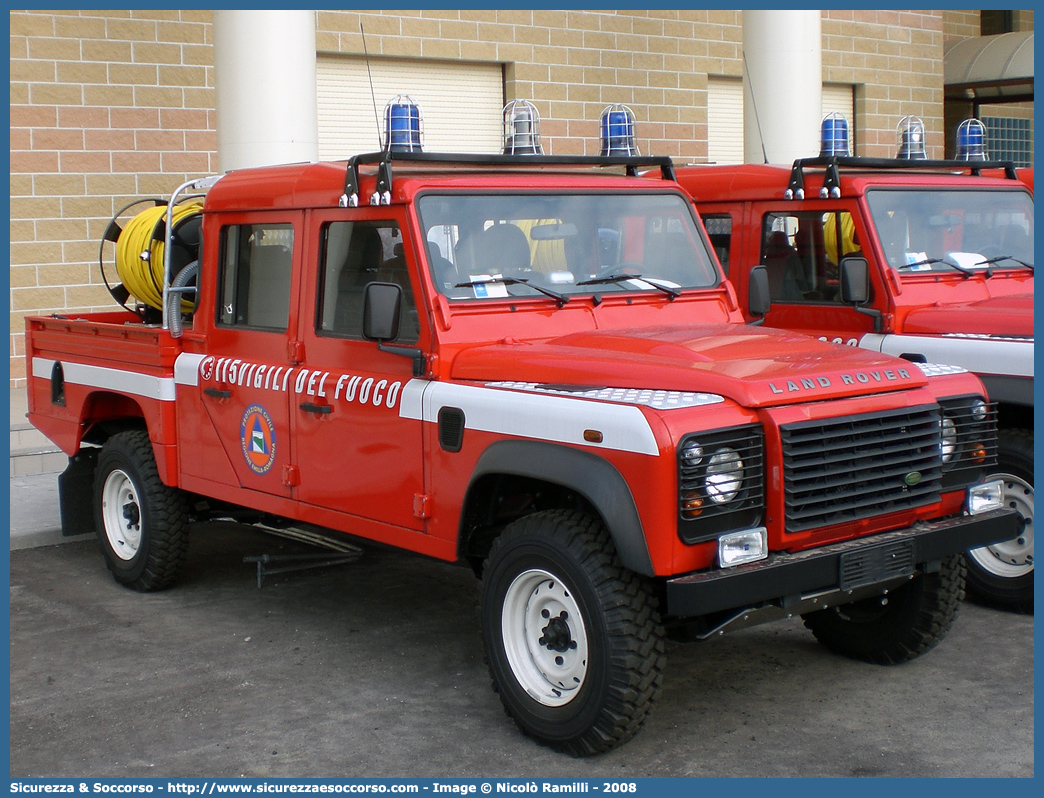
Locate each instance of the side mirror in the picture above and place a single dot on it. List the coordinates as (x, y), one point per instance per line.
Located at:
(759, 302)
(855, 281)
(382, 303)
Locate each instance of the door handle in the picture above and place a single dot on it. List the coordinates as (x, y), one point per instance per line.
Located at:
(217, 393)
(308, 407)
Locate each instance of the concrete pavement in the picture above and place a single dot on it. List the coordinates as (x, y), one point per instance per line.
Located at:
(376, 669)
(35, 518)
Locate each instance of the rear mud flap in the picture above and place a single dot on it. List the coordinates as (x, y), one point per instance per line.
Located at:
(76, 493)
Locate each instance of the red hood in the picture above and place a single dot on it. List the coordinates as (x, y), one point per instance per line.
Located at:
(1003, 316)
(753, 366)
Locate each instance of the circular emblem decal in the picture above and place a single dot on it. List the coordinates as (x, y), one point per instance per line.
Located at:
(206, 367)
(913, 478)
(257, 436)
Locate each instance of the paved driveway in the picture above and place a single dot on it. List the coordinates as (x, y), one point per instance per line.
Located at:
(376, 669)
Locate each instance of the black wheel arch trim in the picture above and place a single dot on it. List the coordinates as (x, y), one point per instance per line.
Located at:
(1009, 389)
(593, 477)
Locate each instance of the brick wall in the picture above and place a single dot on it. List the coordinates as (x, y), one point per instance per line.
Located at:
(111, 106)
(570, 64)
(106, 107)
(960, 24)
(894, 59)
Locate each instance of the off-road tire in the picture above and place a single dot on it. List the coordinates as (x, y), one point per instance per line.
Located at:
(607, 652)
(142, 524)
(899, 626)
(1002, 575)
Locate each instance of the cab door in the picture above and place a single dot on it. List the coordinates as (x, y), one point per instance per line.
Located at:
(355, 453)
(801, 251)
(244, 425)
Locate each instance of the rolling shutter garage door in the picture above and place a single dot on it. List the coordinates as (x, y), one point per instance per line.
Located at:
(462, 104)
(724, 120)
(725, 116)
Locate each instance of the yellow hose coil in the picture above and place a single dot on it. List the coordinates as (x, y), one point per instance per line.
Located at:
(140, 273)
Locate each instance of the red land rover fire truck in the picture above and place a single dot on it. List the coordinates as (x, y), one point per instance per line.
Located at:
(530, 366)
(927, 260)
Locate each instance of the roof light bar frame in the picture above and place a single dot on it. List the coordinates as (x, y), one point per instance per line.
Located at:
(350, 197)
(832, 165)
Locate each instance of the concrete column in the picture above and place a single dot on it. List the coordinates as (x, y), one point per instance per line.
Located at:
(782, 85)
(265, 88)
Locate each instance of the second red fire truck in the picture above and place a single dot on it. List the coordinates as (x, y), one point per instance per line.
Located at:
(931, 261)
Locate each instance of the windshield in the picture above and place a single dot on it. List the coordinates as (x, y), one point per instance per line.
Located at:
(939, 230)
(499, 245)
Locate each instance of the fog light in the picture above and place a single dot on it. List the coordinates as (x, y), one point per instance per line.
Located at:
(984, 498)
(736, 548)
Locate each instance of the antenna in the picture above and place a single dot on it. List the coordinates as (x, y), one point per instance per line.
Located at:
(373, 98)
(757, 118)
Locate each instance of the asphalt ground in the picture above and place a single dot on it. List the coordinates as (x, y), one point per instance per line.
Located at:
(375, 669)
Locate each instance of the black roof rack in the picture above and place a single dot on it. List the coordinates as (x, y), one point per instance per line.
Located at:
(832, 179)
(384, 170)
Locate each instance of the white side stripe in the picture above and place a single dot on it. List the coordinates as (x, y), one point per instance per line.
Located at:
(186, 369)
(132, 382)
(412, 398)
(978, 355)
(527, 415)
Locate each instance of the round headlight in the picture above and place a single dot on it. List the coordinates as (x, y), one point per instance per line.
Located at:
(724, 475)
(691, 454)
(978, 410)
(949, 439)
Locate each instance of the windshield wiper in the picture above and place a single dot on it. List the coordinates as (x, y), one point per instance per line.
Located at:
(998, 258)
(673, 293)
(925, 262)
(944, 261)
(951, 264)
(561, 299)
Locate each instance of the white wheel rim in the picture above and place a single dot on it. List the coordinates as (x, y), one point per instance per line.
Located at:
(121, 515)
(1012, 558)
(544, 637)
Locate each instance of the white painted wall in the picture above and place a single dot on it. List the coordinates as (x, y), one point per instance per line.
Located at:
(782, 85)
(265, 87)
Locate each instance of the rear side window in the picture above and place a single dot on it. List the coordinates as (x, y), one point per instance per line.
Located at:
(719, 230)
(256, 262)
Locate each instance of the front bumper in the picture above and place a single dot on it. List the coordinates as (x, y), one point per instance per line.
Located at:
(784, 579)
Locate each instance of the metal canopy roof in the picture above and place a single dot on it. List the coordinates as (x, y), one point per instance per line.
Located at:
(990, 68)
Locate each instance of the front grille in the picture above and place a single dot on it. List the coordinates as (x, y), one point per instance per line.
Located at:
(856, 467)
